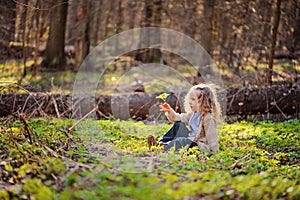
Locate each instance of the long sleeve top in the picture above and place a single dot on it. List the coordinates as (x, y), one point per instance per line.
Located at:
(207, 136)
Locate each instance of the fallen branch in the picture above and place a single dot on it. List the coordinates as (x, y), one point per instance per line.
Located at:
(29, 130)
(76, 123)
(238, 163)
(280, 110)
(55, 106)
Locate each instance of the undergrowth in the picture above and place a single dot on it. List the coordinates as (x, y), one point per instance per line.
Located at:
(110, 159)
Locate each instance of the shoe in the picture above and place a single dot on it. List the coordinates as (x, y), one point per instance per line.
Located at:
(151, 141)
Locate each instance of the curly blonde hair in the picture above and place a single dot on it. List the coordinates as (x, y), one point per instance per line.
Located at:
(208, 100)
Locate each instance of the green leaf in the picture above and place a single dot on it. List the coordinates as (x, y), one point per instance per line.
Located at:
(163, 97)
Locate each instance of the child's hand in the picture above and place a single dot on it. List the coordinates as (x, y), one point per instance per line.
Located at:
(165, 107)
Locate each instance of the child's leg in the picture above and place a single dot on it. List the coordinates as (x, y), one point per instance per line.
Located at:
(178, 130)
(179, 142)
(193, 144)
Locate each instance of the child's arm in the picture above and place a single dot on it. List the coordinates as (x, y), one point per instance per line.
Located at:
(174, 116)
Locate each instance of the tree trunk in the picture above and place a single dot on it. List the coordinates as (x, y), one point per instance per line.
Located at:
(82, 43)
(96, 17)
(107, 13)
(266, 18)
(240, 101)
(152, 18)
(208, 26)
(55, 55)
(71, 22)
(24, 41)
(190, 18)
(296, 25)
(37, 36)
(119, 22)
(273, 44)
(7, 20)
(7, 27)
(20, 19)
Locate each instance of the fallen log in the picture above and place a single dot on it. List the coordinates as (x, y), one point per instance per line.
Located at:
(134, 105)
(255, 101)
(238, 101)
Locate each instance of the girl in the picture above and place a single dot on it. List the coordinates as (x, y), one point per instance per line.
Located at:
(202, 114)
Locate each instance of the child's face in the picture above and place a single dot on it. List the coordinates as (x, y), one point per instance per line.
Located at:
(194, 101)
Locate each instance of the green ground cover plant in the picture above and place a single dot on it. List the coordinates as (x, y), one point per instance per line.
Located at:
(109, 159)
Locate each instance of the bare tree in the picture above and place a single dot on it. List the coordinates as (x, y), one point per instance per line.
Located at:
(95, 20)
(24, 39)
(82, 42)
(7, 26)
(266, 24)
(71, 22)
(233, 31)
(274, 39)
(208, 25)
(37, 36)
(293, 22)
(55, 55)
(152, 17)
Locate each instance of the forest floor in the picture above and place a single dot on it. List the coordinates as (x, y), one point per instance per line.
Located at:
(110, 159)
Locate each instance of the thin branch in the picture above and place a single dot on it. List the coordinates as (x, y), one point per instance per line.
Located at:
(36, 101)
(101, 114)
(25, 103)
(74, 125)
(55, 106)
(41, 9)
(29, 130)
(237, 163)
(279, 109)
